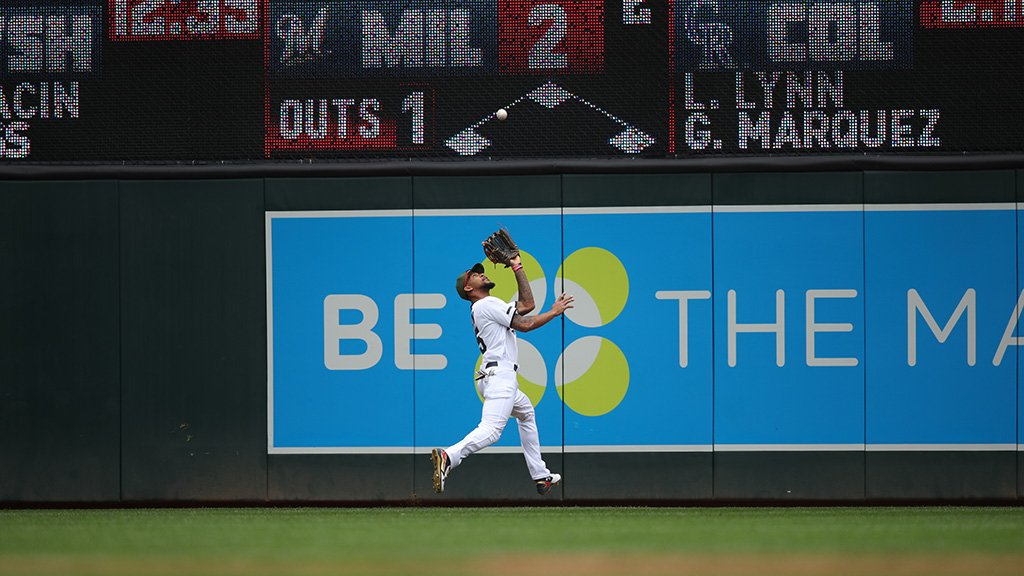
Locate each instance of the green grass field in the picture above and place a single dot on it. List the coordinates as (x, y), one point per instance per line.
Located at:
(514, 541)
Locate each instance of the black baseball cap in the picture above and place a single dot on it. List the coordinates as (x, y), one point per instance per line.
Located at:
(460, 280)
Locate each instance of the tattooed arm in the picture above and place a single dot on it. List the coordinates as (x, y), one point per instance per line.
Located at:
(525, 305)
(527, 323)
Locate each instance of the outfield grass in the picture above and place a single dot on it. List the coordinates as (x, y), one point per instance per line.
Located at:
(520, 541)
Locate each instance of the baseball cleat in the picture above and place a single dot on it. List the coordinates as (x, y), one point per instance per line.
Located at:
(441, 466)
(544, 484)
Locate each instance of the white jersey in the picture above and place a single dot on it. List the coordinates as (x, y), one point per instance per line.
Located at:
(492, 322)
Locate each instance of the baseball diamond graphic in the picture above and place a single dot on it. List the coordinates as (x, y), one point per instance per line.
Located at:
(592, 373)
(631, 140)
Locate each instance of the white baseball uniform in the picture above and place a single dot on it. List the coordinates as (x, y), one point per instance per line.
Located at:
(492, 322)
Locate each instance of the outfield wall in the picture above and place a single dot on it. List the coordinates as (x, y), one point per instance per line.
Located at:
(775, 337)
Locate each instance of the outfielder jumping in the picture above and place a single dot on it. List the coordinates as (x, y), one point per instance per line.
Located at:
(495, 323)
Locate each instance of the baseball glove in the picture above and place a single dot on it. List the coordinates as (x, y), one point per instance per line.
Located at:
(500, 248)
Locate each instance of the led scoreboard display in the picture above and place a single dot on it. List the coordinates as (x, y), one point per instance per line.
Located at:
(262, 80)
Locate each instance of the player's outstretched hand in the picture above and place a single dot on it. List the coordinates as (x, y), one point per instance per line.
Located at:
(563, 303)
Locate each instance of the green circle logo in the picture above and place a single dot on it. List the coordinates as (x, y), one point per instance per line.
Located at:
(592, 376)
(592, 373)
(599, 282)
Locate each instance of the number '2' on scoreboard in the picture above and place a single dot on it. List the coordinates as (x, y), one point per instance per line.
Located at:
(551, 36)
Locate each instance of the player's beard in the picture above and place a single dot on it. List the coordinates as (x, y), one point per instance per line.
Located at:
(489, 286)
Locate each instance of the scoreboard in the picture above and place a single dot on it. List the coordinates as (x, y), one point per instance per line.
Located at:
(105, 81)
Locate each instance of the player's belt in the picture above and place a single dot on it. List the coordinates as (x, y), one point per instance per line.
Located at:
(495, 364)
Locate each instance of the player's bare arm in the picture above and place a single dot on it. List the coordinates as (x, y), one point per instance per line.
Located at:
(527, 323)
(525, 305)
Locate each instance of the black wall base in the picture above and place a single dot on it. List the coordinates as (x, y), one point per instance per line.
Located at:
(942, 475)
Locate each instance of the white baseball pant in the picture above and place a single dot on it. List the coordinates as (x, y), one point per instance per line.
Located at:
(503, 399)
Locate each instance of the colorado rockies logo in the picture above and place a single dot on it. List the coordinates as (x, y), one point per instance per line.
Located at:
(591, 375)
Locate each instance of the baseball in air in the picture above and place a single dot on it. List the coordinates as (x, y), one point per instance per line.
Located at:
(501, 114)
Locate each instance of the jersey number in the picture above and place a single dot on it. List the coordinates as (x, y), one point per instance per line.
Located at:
(479, 340)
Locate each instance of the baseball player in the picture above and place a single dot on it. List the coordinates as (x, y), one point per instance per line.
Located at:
(495, 323)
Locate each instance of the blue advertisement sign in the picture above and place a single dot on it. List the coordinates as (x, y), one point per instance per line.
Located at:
(636, 369)
(1017, 327)
(942, 289)
(789, 338)
(333, 379)
(813, 328)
